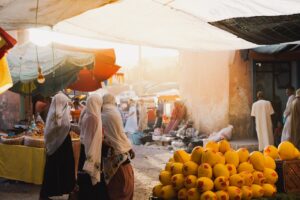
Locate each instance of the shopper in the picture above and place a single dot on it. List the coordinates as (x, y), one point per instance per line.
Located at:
(286, 132)
(262, 111)
(295, 120)
(118, 172)
(91, 138)
(143, 116)
(131, 122)
(59, 175)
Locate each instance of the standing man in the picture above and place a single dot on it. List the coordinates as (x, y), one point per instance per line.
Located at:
(143, 116)
(262, 111)
(286, 132)
(295, 120)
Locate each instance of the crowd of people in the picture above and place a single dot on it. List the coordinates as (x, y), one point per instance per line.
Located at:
(104, 171)
(262, 110)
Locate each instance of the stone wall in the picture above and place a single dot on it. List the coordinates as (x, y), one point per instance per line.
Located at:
(240, 97)
(204, 87)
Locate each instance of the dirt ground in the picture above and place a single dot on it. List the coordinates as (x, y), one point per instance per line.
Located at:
(147, 164)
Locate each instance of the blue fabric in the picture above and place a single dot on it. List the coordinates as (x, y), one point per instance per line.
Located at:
(136, 138)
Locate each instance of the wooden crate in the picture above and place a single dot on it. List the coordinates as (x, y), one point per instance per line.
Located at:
(288, 176)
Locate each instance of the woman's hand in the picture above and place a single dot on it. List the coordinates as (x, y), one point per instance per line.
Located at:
(132, 154)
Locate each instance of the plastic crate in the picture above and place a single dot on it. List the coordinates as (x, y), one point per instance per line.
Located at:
(288, 176)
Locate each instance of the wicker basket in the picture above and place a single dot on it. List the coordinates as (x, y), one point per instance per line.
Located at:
(12, 141)
(288, 176)
(34, 142)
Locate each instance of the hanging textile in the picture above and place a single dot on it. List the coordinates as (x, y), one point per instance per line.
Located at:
(5, 78)
(6, 42)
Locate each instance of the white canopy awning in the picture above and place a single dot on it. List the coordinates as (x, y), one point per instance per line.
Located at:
(20, 14)
(180, 24)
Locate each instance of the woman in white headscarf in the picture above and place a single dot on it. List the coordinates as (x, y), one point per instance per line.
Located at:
(91, 138)
(118, 172)
(59, 175)
(131, 125)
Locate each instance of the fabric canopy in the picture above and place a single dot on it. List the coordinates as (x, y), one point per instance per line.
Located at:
(180, 24)
(23, 61)
(20, 14)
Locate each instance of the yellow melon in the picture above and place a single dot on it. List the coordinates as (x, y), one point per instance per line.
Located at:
(177, 181)
(205, 170)
(243, 154)
(232, 157)
(193, 194)
(220, 170)
(257, 159)
(156, 190)
(271, 151)
(167, 192)
(231, 168)
(196, 154)
(236, 180)
(270, 175)
(181, 156)
(222, 195)
(190, 168)
(224, 146)
(296, 153)
(270, 162)
(245, 166)
(257, 191)
(204, 184)
(259, 178)
(208, 195)
(182, 194)
(165, 177)
(221, 183)
(168, 166)
(246, 193)
(220, 158)
(171, 160)
(269, 190)
(248, 178)
(176, 168)
(286, 150)
(209, 156)
(190, 181)
(234, 193)
(212, 145)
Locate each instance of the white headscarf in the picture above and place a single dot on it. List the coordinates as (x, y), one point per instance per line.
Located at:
(91, 134)
(57, 123)
(113, 126)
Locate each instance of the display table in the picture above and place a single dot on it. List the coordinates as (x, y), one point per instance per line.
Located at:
(22, 163)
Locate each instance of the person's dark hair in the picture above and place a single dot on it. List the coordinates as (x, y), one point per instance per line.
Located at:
(291, 89)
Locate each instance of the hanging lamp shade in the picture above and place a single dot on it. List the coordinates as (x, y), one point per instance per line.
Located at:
(5, 77)
(86, 82)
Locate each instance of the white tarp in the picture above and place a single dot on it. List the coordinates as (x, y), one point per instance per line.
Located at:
(180, 24)
(19, 14)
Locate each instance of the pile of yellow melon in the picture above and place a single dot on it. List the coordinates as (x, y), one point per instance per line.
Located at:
(219, 172)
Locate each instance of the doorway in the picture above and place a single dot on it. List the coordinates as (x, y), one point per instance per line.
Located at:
(272, 78)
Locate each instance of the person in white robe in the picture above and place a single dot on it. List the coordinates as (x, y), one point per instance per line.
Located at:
(143, 116)
(262, 111)
(286, 132)
(131, 125)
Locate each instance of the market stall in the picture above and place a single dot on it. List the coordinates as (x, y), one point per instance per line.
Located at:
(28, 152)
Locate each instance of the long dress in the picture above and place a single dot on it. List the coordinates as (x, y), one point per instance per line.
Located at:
(143, 119)
(286, 132)
(59, 175)
(131, 122)
(295, 121)
(262, 111)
